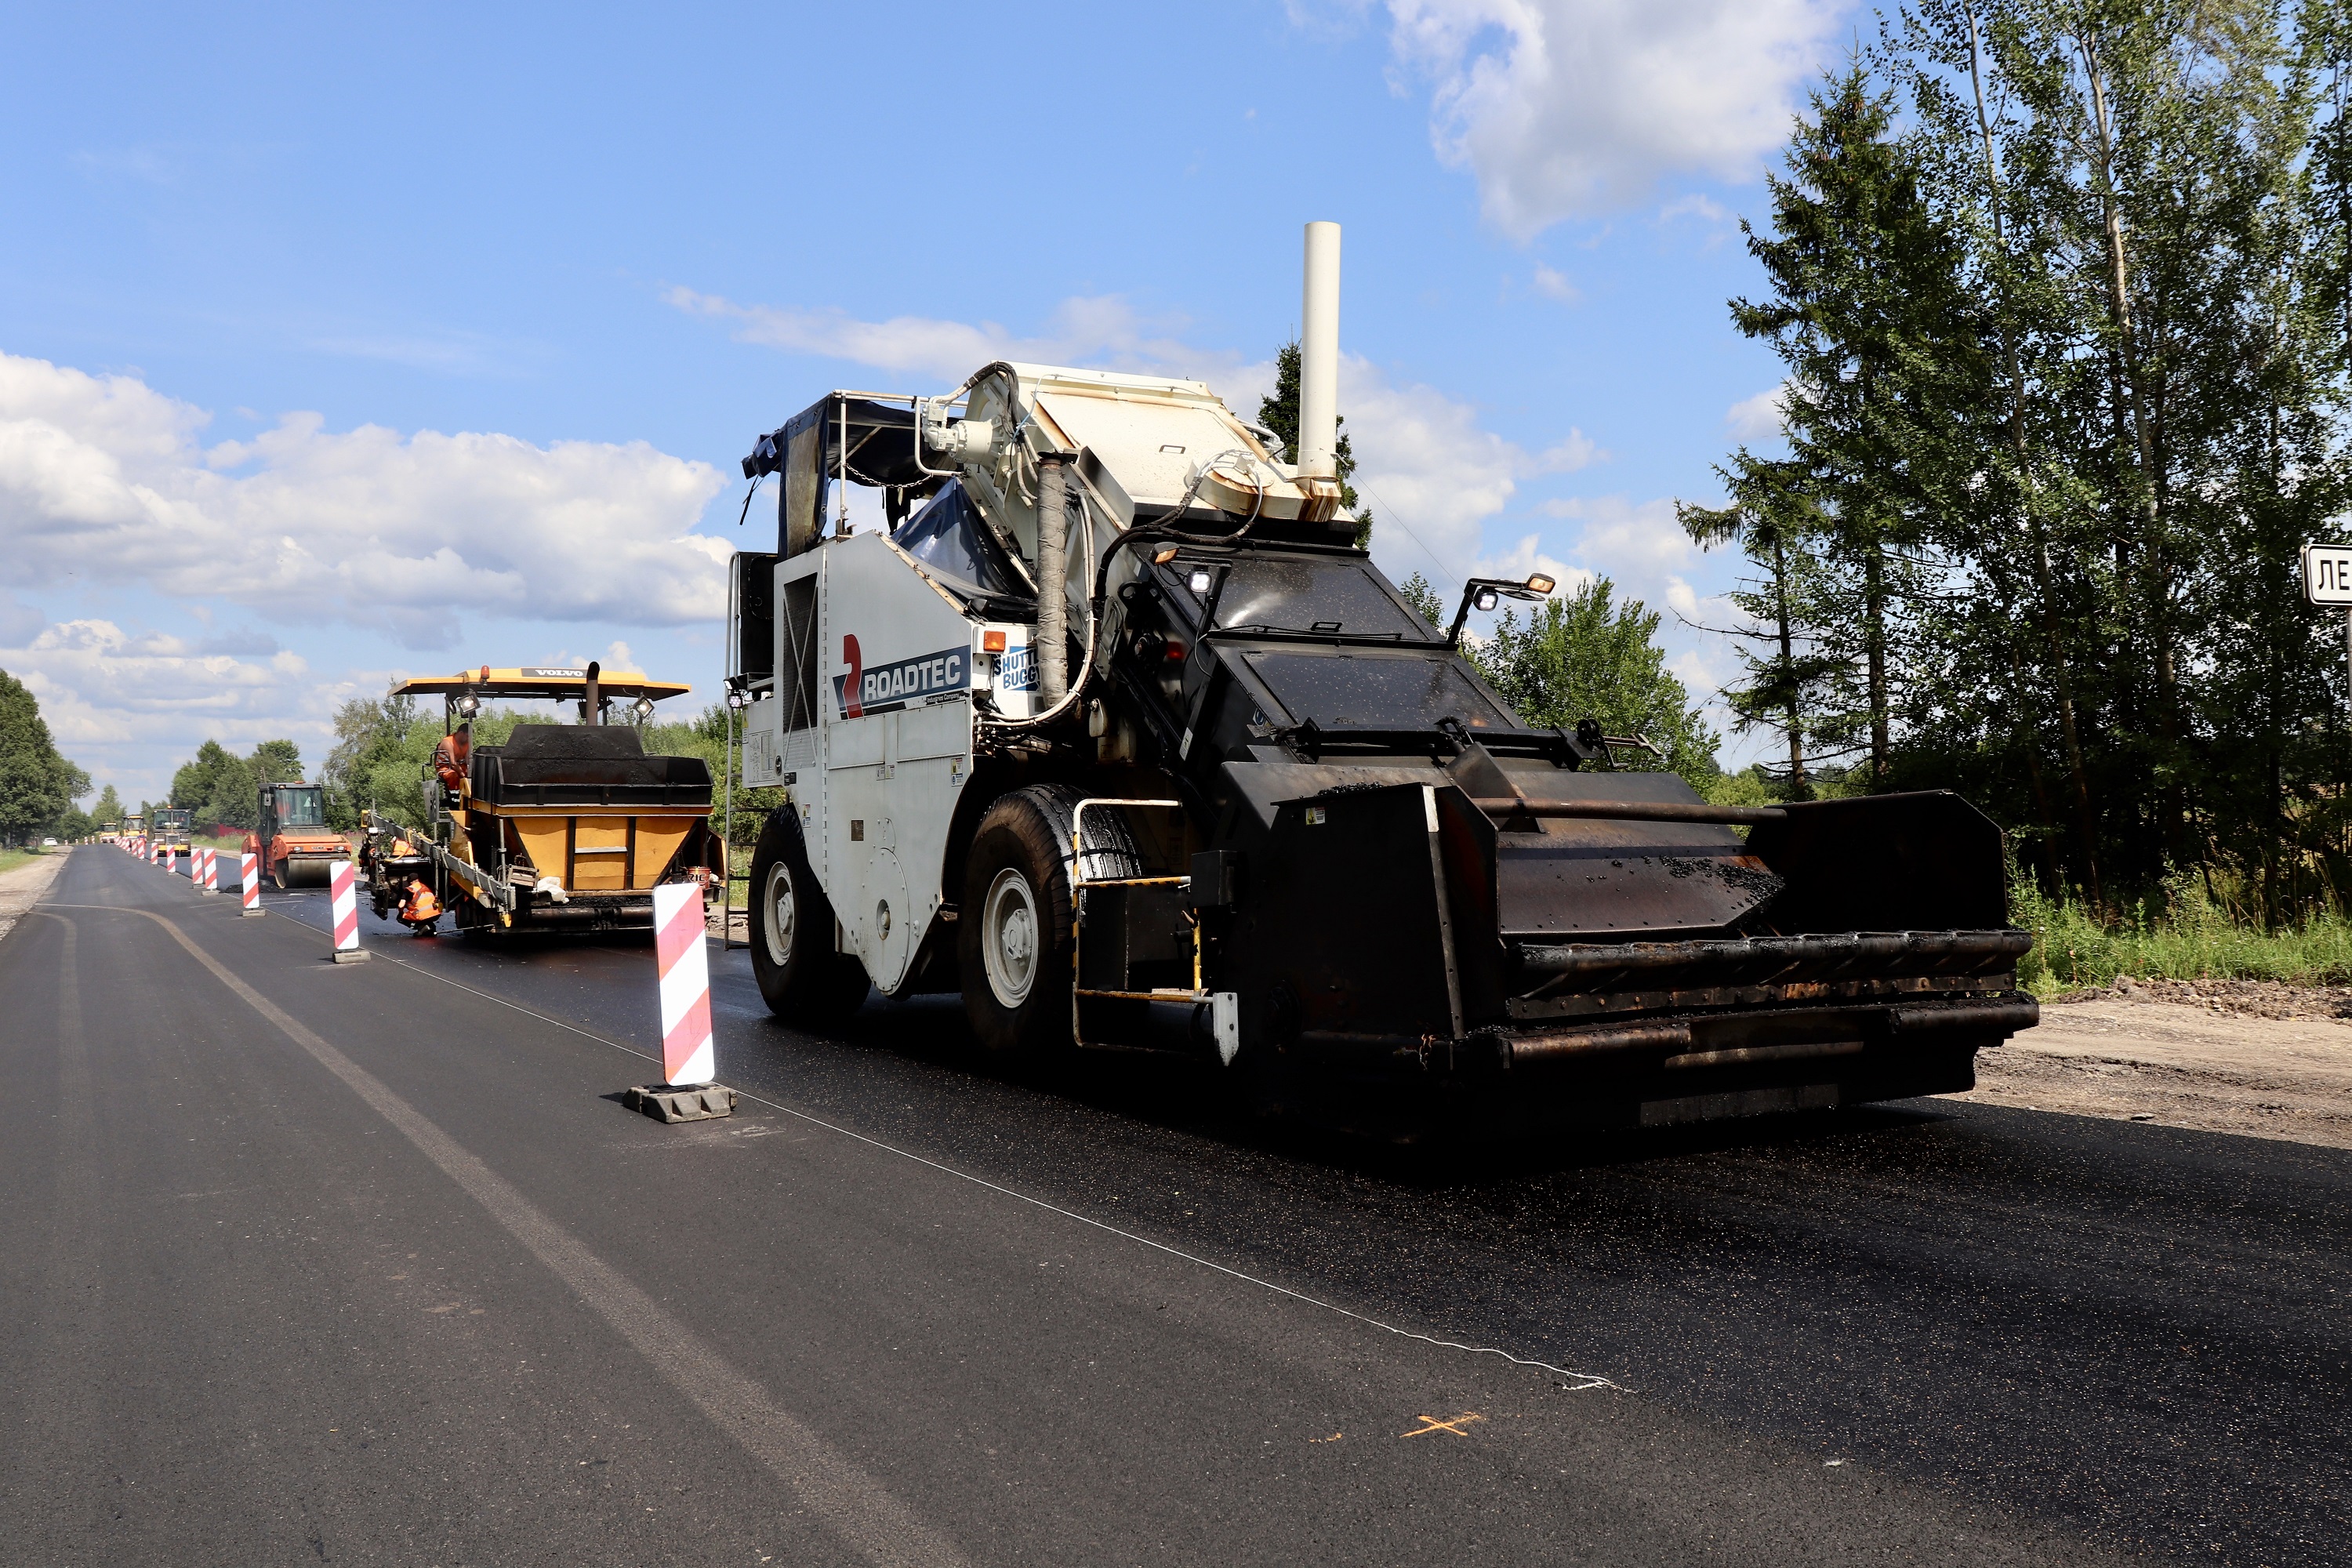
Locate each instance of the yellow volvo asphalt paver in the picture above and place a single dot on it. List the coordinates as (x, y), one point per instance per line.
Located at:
(560, 826)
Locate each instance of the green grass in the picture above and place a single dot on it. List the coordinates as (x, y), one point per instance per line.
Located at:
(12, 858)
(2199, 942)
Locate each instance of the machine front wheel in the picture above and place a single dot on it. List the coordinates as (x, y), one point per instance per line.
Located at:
(803, 981)
(1015, 943)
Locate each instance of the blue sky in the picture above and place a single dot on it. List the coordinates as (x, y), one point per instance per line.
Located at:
(337, 343)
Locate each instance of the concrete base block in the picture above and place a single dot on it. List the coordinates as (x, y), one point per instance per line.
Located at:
(352, 956)
(700, 1102)
(251, 914)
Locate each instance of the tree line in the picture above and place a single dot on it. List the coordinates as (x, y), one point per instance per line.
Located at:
(1584, 654)
(2063, 298)
(383, 747)
(219, 789)
(38, 785)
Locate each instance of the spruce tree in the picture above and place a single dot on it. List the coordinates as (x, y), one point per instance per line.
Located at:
(1881, 352)
(1279, 414)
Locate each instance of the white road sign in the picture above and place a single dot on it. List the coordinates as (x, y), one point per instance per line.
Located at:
(2327, 573)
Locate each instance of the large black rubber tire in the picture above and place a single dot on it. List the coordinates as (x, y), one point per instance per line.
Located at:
(803, 981)
(1015, 938)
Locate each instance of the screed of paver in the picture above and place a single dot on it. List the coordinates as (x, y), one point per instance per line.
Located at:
(21, 888)
(2127, 1058)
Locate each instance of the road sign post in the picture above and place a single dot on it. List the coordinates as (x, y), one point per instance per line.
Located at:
(2327, 581)
(249, 878)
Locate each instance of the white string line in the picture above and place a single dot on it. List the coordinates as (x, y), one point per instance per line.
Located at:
(1585, 1380)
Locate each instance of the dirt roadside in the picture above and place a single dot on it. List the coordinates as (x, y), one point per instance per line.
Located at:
(22, 888)
(2217, 1058)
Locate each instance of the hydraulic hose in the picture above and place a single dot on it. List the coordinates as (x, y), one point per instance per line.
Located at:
(1148, 536)
(1053, 591)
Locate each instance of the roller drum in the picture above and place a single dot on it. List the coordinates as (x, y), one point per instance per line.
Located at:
(306, 872)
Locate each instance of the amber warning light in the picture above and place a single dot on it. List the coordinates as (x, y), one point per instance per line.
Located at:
(991, 642)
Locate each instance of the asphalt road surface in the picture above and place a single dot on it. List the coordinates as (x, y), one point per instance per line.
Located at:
(366, 1263)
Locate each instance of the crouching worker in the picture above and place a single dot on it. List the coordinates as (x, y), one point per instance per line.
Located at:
(419, 910)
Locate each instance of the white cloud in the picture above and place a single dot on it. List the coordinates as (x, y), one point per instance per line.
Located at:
(1705, 209)
(115, 701)
(1103, 329)
(19, 622)
(1425, 464)
(1556, 285)
(1627, 539)
(1570, 107)
(1526, 558)
(1431, 475)
(1566, 457)
(102, 476)
(464, 353)
(1700, 680)
(1682, 599)
(1758, 418)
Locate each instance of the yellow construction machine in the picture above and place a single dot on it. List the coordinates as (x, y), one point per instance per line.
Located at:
(560, 826)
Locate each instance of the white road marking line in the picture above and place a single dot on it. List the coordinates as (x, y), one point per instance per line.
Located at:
(856, 1506)
(1582, 1381)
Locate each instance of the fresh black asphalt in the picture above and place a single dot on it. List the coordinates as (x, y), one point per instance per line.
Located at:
(322, 1263)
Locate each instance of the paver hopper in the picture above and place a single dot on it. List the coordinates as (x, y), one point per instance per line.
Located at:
(560, 826)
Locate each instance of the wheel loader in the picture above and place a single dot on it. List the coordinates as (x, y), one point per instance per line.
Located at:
(561, 828)
(1113, 729)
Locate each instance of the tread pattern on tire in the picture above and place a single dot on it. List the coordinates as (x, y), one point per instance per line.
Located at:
(1038, 819)
(819, 986)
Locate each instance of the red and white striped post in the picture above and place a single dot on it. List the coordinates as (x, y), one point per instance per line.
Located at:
(685, 983)
(344, 899)
(683, 963)
(212, 869)
(248, 876)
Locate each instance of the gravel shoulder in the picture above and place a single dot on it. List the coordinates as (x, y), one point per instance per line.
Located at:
(21, 888)
(2212, 1060)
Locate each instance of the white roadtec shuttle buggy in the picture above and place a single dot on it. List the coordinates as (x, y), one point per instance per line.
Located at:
(1115, 731)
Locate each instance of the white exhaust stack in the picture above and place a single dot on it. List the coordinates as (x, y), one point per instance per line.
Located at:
(1318, 356)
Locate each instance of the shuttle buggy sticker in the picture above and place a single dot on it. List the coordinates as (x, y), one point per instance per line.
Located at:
(899, 685)
(1016, 670)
